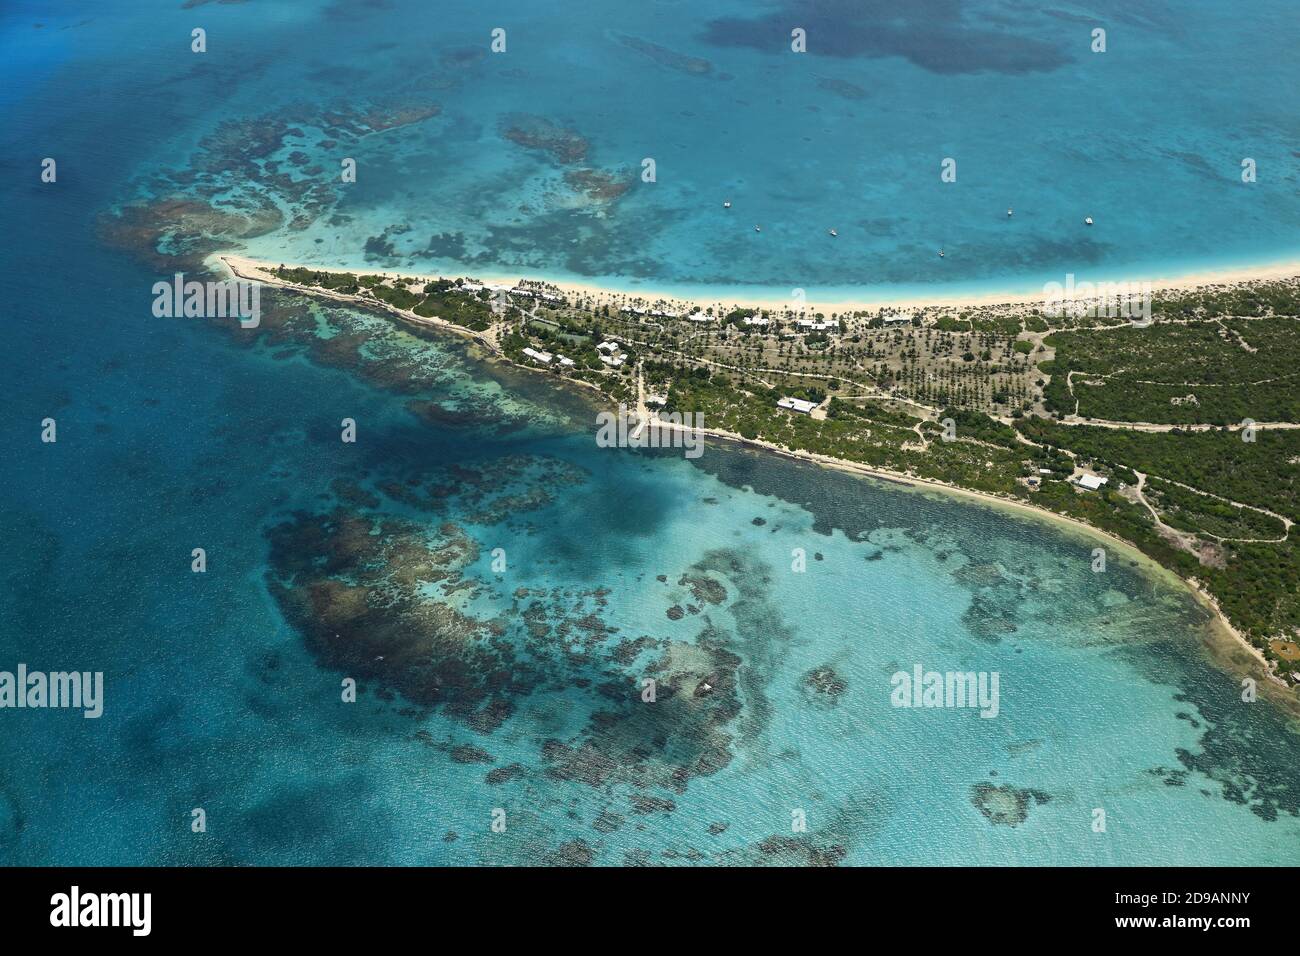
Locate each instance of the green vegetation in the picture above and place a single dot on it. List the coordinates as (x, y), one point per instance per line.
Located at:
(1264, 473)
(1196, 373)
(979, 427)
(443, 299)
(344, 282)
(849, 434)
(872, 411)
(1201, 514)
(1250, 299)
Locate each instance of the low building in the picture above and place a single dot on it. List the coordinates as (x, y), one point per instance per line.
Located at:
(897, 319)
(610, 354)
(1091, 482)
(808, 325)
(564, 361)
(796, 405)
(543, 357)
(755, 320)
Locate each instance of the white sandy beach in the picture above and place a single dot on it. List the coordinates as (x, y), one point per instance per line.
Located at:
(612, 294)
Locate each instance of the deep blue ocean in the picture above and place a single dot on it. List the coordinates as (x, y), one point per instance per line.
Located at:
(512, 693)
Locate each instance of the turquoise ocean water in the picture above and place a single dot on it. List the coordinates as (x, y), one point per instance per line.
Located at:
(517, 689)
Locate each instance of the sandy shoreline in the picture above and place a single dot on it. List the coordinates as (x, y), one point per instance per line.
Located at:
(252, 269)
(686, 301)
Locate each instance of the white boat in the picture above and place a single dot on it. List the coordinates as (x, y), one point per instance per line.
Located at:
(1008, 212)
(1088, 221)
(940, 253)
(834, 233)
(758, 228)
(727, 204)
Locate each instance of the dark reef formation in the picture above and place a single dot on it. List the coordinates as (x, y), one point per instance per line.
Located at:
(389, 601)
(563, 145)
(1005, 805)
(823, 686)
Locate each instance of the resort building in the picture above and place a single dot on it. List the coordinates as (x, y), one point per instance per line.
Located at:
(543, 357)
(796, 405)
(537, 294)
(610, 355)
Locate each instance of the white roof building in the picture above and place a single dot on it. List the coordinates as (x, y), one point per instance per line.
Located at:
(754, 320)
(796, 405)
(891, 319)
(610, 347)
(543, 357)
(1092, 482)
(810, 325)
(564, 361)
